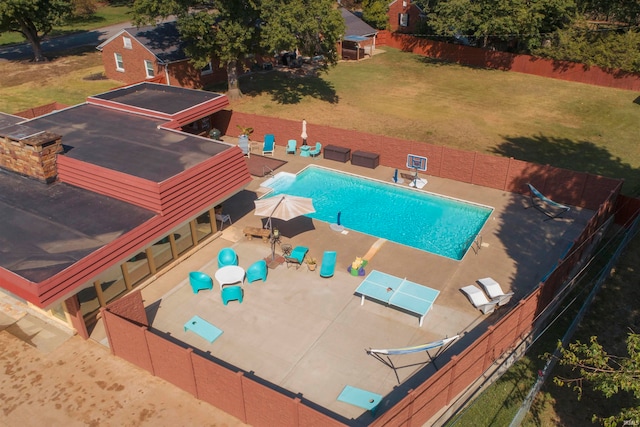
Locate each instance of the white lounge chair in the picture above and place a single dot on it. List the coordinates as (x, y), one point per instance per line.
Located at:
(479, 299)
(493, 289)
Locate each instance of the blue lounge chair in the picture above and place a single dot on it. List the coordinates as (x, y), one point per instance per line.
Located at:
(269, 145)
(257, 271)
(292, 146)
(297, 256)
(199, 281)
(232, 293)
(227, 256)
(328, 263)
(316, 151)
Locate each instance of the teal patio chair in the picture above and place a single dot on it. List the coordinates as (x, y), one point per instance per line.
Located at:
(296, 257)
(257, 271)
(328, 266)
(227, 256)
(269, 145)
(232, 293)
(316, 151)
(292, 146)
(199, 281)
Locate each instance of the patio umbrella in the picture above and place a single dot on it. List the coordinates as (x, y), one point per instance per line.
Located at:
(303, 135)
(284, 207)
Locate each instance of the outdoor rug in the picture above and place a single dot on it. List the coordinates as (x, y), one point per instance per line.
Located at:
(261, 165)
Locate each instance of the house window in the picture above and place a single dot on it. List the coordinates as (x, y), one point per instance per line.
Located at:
(127, 42)
(119, 62)
(148, 66)
(403, 19)
(207, 69)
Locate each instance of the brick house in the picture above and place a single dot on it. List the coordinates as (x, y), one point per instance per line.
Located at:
(155, 53)
(404, 16)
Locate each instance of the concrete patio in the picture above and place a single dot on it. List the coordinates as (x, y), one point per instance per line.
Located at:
(308, 335)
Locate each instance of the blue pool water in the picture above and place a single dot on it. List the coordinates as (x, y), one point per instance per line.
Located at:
(425, 221)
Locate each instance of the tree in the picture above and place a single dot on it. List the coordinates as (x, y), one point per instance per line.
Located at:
(521, 21)
(374, 13)
(226, 30)
(34, 19)
(611, 375)
(229, 30)
(313, 27)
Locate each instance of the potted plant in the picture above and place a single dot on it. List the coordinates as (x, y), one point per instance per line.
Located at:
(311, 263)
(243, 139)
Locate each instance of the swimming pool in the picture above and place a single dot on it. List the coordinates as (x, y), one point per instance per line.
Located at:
(425, 221)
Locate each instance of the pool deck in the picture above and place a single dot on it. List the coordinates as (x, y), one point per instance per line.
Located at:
(308, 335)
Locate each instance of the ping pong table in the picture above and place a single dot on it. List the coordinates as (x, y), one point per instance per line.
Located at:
(397, 292)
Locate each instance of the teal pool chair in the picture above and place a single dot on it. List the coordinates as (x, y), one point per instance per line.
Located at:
(232, 293)
(227, 256)
(328, 265)
(296, 257)
(257, 271)
(292, 146)
(199, 281)
(316, 151)
(269, 145)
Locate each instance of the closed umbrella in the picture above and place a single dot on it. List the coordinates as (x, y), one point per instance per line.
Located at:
(284, 207)
(303, 135)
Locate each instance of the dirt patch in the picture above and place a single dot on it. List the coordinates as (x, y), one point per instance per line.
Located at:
(81, 383)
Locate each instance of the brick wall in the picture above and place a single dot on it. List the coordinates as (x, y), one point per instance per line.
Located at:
(34, 156)
(40, 110)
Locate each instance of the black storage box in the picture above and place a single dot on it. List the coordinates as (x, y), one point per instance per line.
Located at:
(366, 159)
(339, 154)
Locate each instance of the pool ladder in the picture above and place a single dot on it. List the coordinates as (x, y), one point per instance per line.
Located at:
(267, 171)
(475, 242)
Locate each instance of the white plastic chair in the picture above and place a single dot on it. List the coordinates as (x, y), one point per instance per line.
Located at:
(223, 218)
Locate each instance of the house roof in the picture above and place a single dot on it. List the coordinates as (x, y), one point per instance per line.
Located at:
(356, 26)
(47, 228)
(127, 175)
(163, 40)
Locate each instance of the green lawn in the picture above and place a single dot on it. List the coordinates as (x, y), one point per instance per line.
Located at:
(569, 125)
(104, 16)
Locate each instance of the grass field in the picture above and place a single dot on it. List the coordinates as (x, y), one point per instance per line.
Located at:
(564, 124)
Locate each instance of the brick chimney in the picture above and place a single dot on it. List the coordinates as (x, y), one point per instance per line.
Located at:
(30, 152)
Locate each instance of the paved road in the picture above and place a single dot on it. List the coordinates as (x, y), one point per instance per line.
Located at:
(23, 51)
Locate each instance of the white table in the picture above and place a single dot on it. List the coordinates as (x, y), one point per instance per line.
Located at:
(229, 275)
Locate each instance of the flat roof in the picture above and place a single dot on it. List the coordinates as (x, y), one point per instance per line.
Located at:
(45, 228)
(9, 119)
(126, 142)
(157, 97)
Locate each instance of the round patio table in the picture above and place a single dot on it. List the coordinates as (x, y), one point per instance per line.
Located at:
(304, 151)
(229, 275)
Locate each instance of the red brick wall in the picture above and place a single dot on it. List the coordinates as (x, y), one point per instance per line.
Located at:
(476, 57)
(41, 110)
